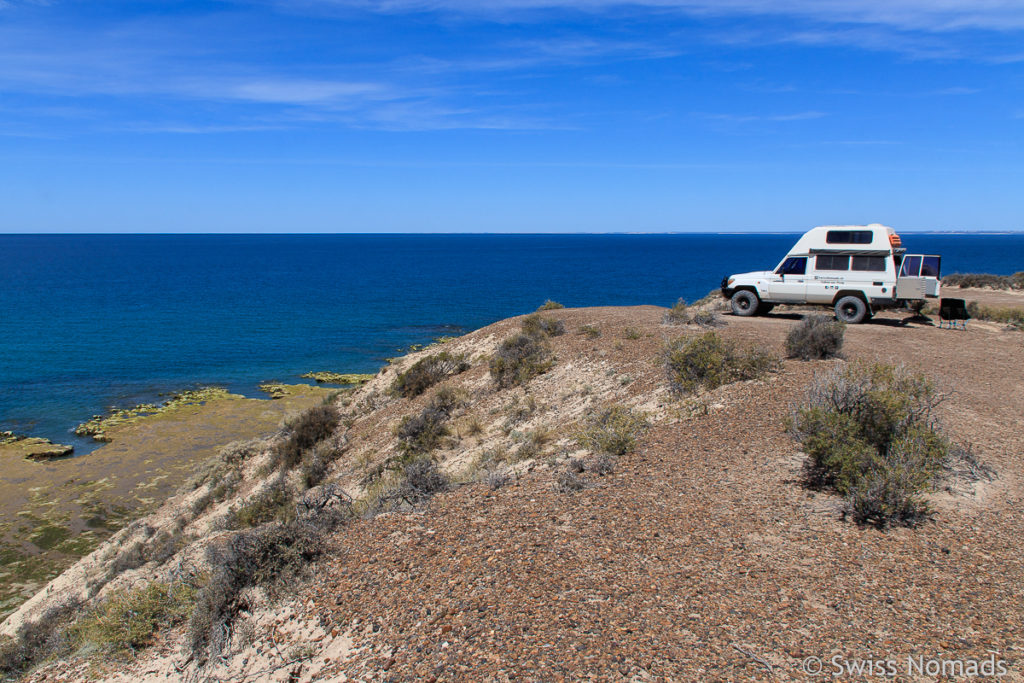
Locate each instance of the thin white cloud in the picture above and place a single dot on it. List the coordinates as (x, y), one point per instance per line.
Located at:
(752, 118)
(299, 91)
(923, 15)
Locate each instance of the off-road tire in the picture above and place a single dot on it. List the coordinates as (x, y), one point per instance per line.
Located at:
(745, 303)
(852, 310)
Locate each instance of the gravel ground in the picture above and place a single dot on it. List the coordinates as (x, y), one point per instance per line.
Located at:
(701, 557)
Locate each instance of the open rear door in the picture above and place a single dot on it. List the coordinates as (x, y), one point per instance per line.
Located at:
(919, 276)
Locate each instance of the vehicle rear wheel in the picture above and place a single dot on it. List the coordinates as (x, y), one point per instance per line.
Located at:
(745, 303)
(851, 310)
(765, 308)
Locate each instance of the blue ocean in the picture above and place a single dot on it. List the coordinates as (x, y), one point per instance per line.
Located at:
(92, 321)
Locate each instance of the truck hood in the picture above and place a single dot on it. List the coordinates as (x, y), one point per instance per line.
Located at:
(753, 275)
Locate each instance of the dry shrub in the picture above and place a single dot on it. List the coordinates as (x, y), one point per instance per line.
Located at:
(532, 444)
(519, 359)
(519, 410)
(569, 481)
(816, 337)
(707, 318)
(497, 477)
(448, 400)
(421, 479)
(589, 331)
(602, 464)
(679, 314)
(423, 432)
(708, 361)
(35, 641)
(1008, 315)
(262, 556)
(129, 620)
(427, 372)
(303, 432)
(550, 305)
(317, 461)
(613, 430)
(274, 502)
(1015, 281)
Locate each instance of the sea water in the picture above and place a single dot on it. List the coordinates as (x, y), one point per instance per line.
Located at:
(93, 321)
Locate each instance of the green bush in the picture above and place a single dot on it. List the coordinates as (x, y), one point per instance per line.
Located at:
(816, 337)
(303, 432)
(870, 433)
(590, 331)
(613, 430)
(708, 361)
(519, 359)
(129, 620)
(426, 372)
(537, 325)
(679, 314)
(550, 305)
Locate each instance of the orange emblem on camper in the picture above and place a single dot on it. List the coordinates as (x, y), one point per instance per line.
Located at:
(894, 240)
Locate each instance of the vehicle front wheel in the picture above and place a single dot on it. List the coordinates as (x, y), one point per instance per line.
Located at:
(851, 310)
(745, 303)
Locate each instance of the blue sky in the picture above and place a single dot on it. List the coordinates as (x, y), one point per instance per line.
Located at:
(510, 116)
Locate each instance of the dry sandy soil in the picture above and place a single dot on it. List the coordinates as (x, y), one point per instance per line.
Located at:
(701, 557)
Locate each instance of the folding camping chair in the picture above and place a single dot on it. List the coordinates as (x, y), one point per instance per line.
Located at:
(954, 312)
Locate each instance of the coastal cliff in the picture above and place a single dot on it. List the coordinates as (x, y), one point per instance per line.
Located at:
(539, 499)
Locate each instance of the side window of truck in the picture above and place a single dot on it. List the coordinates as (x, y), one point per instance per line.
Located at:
(848, 237)
(869, 263)
(794, 265)
(930, 266)
(831, 262)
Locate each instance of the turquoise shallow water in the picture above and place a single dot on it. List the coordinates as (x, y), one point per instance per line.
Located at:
(90, 321)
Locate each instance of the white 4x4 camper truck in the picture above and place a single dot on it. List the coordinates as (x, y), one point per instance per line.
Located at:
(856, 269)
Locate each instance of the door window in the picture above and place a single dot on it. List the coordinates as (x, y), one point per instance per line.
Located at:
(794, 265)
(911, 266)
(930, 266)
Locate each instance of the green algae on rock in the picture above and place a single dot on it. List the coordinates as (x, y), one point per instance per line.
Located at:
(326, 377)
(33, 448)
(99, 424)
(277, 390)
